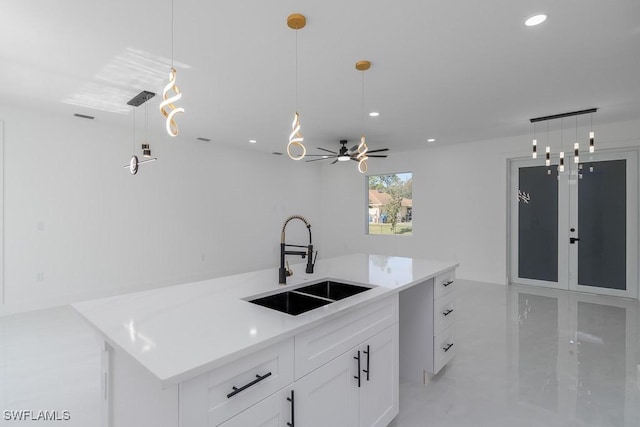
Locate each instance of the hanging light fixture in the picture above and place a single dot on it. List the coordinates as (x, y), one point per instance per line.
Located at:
(592, 146)
(576, 145)
(134, 162)
(167, 106)
(561, 166)
(296, 22)
(362, 157)
(534, 153)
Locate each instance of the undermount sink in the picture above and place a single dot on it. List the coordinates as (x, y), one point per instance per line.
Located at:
(307, 298)
(332, 290)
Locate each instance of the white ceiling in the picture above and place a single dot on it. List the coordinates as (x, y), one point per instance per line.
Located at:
(456, 71)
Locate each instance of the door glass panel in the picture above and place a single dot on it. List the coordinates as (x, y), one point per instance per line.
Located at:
(538, 224)
(602, 224)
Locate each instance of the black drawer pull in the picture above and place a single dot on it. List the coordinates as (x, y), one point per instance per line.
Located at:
(447, 347)
(366, 371)
(448, 312)
(358, 376)
(293, 421)
(445, 284)
(237, 390)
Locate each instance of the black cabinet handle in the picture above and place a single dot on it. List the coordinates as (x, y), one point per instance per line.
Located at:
(573, 240)
(448, 312)
(445, 284)
(447, 347)
(293, 422)
(368, 364)
(357, 376)
(237, 390)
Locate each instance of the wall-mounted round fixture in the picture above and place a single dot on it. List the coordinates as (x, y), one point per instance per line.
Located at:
(374, 114)
(535, 20)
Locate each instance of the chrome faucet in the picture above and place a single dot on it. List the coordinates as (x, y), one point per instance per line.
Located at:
(284, 272)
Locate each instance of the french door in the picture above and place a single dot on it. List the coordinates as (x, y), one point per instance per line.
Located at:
(577, 229)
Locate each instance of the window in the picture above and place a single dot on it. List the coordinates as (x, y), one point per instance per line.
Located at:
(390, 204)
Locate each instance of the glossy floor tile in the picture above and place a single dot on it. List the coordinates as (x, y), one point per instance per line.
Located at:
(525, 357)
(533, 357)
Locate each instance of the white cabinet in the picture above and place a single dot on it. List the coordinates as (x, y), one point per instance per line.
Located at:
(329, 395)
(274, 411)
(211, 398)
(359, 388)
(379, 378)
(427, 327)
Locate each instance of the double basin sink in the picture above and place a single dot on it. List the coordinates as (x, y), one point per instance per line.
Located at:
(306, 298)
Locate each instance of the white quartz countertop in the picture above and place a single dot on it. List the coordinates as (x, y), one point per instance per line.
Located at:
(179, 332)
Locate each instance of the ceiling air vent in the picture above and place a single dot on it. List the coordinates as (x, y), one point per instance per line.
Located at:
(84, 116)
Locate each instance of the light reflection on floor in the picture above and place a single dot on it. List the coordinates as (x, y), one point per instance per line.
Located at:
(525, 357)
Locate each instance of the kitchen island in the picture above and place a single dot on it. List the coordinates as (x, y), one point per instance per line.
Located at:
(200, 354)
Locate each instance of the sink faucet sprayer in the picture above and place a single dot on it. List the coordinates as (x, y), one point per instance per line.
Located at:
(284, 272)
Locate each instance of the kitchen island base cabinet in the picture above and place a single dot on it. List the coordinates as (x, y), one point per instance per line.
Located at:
(359, 388)
(427, 327)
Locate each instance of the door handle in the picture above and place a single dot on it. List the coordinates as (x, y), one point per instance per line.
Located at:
(573, 240)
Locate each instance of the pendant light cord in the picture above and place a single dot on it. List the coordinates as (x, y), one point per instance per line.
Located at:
(296, 70)
(362, 102)
(171, 33)
(133, 151)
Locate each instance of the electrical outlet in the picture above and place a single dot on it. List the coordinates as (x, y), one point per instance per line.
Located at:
(40, 276)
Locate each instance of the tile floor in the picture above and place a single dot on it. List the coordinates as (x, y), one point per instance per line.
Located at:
(524, 357)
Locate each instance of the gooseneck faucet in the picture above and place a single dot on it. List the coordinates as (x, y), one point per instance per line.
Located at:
(283, 272)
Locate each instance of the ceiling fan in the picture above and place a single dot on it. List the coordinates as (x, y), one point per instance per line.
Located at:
(345, 154)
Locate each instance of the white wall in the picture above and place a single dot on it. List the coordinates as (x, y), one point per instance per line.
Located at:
(459, 199)
(77, 225)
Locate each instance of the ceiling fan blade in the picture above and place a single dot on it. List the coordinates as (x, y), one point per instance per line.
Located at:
(378, 150)
(335, 161)
(328, 151)
(319, 155)
(353, 149)
(378, 155)
(315, 160)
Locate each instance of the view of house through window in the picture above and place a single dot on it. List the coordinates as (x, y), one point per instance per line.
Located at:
(391, 204)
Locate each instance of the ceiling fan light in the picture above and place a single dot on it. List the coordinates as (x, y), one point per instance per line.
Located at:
(344, 158)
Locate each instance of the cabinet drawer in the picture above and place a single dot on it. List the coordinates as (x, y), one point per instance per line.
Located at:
(317, 346)
(443, 348)
(444, 312)
(213, 397)
(443, 284)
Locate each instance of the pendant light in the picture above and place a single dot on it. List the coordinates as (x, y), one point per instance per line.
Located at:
(296, 22)
(134, 162)
(576, 144)
(362, 157)
(592, 146)
(561, 166)
(534, 152)
(167, 106)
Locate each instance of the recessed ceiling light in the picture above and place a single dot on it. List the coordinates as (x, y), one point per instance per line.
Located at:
(431, 140)
(535, 20)
(374, 114)
(252, 141)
